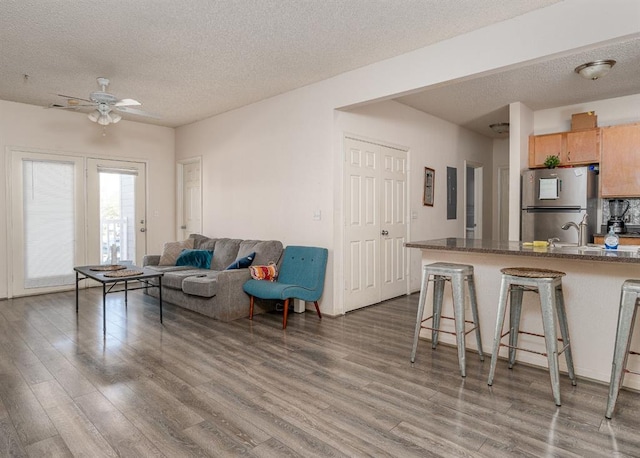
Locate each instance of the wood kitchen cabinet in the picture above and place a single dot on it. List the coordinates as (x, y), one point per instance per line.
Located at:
(541, 146)
(578, 147)
(583, 147)
(620, 161)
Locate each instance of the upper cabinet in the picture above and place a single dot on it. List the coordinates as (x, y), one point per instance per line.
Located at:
(620, 162)
(578, 147)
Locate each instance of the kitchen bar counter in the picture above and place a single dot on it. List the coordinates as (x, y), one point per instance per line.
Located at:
(591, 289)
(516, 248)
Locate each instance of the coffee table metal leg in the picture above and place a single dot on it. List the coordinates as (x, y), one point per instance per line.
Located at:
(126, 300)
(77, 280)
(104, 308)
(160, 295)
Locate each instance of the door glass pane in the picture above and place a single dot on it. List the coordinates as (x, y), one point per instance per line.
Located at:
(49, 223)
(117, 217)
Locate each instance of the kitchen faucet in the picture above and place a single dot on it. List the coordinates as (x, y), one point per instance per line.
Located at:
(581, 228)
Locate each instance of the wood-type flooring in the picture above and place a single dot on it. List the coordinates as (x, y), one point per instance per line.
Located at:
(332, 387)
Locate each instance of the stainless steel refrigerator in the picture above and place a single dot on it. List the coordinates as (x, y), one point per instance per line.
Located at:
(554, 197)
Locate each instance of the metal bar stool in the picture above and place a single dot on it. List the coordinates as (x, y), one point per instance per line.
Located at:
(548, 284)
(457, 274)
(626, 319)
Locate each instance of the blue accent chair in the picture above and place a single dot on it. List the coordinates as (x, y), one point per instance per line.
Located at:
(301, 276)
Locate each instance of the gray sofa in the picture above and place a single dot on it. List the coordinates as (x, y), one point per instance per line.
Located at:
(215, 292)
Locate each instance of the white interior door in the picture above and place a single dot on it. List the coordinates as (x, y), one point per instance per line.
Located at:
(393, 223)
(116, 211)
(503, 203)
(375, 219)
(47, 222)
(473, 200)
(190, 198)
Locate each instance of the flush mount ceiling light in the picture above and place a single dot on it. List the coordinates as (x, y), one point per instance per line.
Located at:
(500, 128)
(596, 69)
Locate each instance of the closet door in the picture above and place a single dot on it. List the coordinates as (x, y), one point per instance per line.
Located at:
(375, 263)
(47, 214)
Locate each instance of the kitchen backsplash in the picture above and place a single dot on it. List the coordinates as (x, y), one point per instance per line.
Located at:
(631, 218)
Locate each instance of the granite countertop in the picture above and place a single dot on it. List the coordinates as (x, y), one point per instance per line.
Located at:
(591, 253)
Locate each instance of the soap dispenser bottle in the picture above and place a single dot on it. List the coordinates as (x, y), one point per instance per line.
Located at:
(611, 240)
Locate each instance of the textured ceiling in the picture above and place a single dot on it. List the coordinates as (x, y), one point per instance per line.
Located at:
(477, 102)
(190, 59)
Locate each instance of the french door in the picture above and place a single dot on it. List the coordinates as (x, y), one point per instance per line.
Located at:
(116, 213)
(47, 215)
(68, 211)
(375, 223)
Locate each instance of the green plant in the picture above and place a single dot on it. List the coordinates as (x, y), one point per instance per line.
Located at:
(552, 161)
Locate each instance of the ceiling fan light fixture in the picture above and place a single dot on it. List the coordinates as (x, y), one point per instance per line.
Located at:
(596, 69)
(500, 127)
(93, 116)
(104, 120)
(115, 118)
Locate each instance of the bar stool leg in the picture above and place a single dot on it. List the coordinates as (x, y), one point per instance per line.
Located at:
(515, 312)
(548, 305)
(457, 284)
(474, 313)
(626, 320)
(421, 301)
(564, 332)
(438, 296)
(502, 306)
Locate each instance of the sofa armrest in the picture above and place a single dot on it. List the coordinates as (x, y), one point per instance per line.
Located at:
(150, 260)
(231, 294)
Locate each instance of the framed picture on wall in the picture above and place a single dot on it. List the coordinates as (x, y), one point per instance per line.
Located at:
(429, 177)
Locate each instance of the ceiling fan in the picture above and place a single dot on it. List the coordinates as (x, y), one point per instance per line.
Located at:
(106, 105)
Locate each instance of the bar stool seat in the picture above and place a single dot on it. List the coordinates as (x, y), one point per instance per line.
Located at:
(626, 319)
(457, 274)
(548, 283)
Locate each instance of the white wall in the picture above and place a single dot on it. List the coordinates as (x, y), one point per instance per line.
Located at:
(610, 112)
(269, 166)
(431, 142)
(34, 128)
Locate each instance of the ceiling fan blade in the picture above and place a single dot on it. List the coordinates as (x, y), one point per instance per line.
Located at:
(127, 103)
(135, 111)
(69, 107)
(75, 98)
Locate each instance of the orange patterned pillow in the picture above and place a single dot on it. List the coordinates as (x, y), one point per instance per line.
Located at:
(269, 272)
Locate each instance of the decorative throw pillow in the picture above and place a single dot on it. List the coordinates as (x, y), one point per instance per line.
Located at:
(269, 272)
(241, 263)
(172, 250)
(195, 258)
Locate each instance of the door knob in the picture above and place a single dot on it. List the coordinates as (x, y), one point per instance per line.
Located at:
(142, 229)
(385, 232)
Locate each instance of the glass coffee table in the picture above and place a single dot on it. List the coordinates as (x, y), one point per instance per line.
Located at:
(112, 277)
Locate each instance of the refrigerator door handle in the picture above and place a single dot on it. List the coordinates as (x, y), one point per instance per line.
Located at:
(572, 209)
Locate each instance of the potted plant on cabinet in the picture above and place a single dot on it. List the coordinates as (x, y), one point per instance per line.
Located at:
(552, 161)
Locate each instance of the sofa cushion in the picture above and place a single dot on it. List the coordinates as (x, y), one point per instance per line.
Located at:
(266, 250)
(166, 269)
(172, 250)
(241, 263)
(226, 252)
(202, 285)
(201, 242)
(174, 279)
(196, 258)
